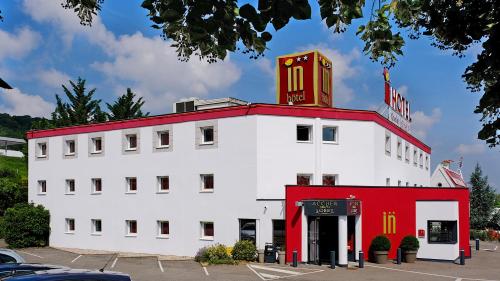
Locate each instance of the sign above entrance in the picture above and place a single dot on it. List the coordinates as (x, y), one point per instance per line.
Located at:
(332, 207)
(304, 79)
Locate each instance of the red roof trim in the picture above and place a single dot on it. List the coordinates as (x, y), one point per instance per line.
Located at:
(234, 111)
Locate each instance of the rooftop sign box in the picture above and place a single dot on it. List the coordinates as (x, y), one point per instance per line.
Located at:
(304, 79)
(399, 107)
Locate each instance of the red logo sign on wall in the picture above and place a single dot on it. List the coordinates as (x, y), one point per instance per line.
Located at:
(421, 233)
(304, 79)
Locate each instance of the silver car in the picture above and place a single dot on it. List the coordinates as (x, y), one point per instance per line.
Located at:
(9, 256)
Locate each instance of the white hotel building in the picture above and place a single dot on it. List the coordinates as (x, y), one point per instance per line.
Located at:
(173, 183)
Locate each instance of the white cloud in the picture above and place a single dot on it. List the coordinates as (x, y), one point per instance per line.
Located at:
(266, 66)
(475, 148)
(16, 102)
(343, 69)
(421, 122)
(148, 65)
(18, 45)
(53, 78)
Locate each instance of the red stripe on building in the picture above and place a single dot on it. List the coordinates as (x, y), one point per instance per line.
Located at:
(235, 111)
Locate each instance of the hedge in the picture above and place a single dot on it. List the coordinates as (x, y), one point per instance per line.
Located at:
(244, 250)
(26, 225)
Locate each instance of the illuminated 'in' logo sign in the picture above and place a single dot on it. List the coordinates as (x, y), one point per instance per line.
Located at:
(389, 222)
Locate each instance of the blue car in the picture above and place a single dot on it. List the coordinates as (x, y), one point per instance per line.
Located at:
(16, 269)
(69, 275)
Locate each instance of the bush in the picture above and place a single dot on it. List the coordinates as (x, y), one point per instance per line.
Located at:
(216, 254)
(26, 225)
(244, 251)
(380, 243)
(478, 234)
(11, 193)
(2, 235)
(409, 243)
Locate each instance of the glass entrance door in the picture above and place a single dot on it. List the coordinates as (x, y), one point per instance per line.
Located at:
(313, 256)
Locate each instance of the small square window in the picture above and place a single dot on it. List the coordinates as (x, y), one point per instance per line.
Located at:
(407, 184)
(70, 186)
(70, 225)
(388, 181)
(207, 135)
(42, 187)
(427, 162)
(163, 184)
(163, 139)
(388, 143)
(163, 229)
(207, 230)
(329, 180)
(132, 142)
(400, 149)
(304, 179)
(131, 185)
(131, 227)
(97, 145)
(96, 185)
(70, 147)
(407, 153)
(415, 153)
(207, 182)
(304, 133)
(399, 183)
(42, 149)
(96, 226)
(421, 160)
(330, 134)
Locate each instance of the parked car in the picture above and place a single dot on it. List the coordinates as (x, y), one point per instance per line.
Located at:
(16, 269)
(9, 256)
(70, 275)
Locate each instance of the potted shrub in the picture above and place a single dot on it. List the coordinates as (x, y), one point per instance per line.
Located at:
(409, 246)
(380, 248)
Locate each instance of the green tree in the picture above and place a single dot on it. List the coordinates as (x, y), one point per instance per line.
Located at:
(212, 28)
(26, 225)
(482, 199)
(125, 107)
(81, 109)
(11, 193)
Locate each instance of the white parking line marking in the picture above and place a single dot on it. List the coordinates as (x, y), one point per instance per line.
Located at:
(270, 276)
(275, 269)
(161, 266)
(256, 273)
(490, 250)
(30, 254)
(75, 259)
(206, 271)
(429, 274)
(267, 276)
(114, 262)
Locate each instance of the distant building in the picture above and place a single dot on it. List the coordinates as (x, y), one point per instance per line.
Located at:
(444, 176)
(5, 143)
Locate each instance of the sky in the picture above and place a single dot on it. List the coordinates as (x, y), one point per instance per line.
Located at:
(43, 46)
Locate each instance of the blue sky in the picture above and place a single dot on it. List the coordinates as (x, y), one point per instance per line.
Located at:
(43, 45)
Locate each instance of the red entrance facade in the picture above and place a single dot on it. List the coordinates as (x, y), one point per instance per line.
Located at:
(392, 211)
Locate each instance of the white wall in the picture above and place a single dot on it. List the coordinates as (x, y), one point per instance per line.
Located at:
(255, 157)
(436, 210)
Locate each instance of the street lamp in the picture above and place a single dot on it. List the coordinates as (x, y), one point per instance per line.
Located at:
(4, 84)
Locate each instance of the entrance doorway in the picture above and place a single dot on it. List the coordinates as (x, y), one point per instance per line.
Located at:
(351, 238)
(323, 238)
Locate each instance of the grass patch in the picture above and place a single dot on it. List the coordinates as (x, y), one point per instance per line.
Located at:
(17, 164)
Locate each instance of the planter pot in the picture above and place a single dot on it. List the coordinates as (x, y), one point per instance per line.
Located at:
(380, 256)
(261, 256)
(281, 257)
(410, 256)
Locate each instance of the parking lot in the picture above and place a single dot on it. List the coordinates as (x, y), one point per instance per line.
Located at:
(484, 265)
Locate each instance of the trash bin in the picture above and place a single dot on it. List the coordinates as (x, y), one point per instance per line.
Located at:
(281, 256)
(269, 253)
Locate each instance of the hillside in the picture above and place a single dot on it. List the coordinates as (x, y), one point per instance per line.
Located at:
(17, 164)
(15, 126)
